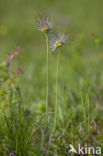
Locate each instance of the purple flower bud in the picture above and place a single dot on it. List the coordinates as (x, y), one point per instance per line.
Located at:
(12, 153)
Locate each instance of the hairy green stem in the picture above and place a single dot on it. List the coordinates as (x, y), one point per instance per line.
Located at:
(47, 78)
(56, 106)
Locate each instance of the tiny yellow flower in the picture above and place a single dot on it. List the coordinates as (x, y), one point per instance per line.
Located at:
(60, 44)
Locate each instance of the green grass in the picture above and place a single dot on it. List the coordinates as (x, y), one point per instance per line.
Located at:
(23, 124)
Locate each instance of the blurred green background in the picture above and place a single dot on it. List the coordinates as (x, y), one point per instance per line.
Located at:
(82, 58)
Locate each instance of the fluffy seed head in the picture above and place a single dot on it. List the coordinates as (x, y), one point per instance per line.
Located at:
(57, 41)
(44, 24)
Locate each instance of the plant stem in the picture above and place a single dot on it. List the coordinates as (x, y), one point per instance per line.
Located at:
(47, 79)
(84, 111)
(88, 103)
(56, 106)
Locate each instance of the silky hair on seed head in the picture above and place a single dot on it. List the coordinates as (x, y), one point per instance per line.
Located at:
(57, 41)
(44, 23)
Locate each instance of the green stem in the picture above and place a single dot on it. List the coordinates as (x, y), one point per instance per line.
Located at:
(56, 106)
(47, 78)
(84, 111)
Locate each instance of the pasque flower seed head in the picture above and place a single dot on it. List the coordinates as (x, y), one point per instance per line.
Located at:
(44, 24)
(57, 41)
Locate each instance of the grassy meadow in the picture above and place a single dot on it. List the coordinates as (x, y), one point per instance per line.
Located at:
(24, 127)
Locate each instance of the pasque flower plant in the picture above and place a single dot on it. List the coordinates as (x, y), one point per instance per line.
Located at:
(57, 41)
(45, 25)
